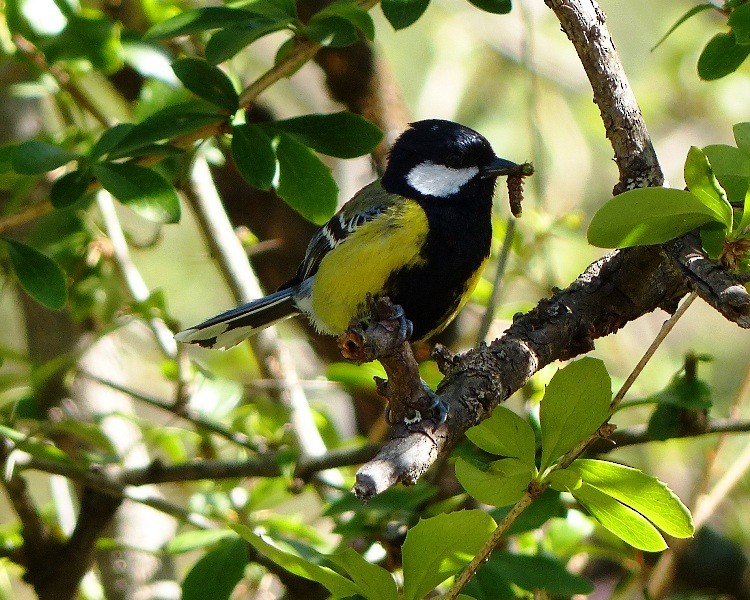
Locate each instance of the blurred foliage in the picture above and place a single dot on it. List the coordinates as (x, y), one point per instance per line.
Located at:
(172, 76)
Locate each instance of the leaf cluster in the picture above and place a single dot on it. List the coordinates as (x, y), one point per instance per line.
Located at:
(576, 404)
(726, 51)
(716, 202)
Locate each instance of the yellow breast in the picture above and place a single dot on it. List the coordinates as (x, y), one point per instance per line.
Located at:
(362, 263)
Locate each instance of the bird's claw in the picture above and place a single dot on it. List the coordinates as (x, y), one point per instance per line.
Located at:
(436, 410)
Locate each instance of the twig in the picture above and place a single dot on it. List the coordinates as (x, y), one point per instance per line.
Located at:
(638, 434)
(268, 347)
(704, 502)
(180, 410)
(131, 275)
(61, 76)
(526, 500)
(303, 52)
(666, 327)
(497, 284)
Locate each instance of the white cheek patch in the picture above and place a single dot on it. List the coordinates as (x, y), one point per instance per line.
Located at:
(432, 179)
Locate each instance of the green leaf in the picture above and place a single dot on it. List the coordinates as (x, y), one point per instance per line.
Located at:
(166, 124)
(545, 507)
(254, 156)
(742, 137)
(69, 188)
(198, 20)
(305, 183)
(564, 479)
(665, 422)
(207, 82)
(141, 189)
(713, 236)
(504, 433)
(94, 39)
(356, 15)
(374, 582)
(646, 216)
(690, 393)
(539, 573)
(198, 539)
(721, 56)
(687, 15)
(217, 573)
(745, 220)
(273, 9)
(342, 134)
(497, 7)
(739, 21)
(731, 167)
(644, 493)
(331, 31)
(224, 44)
(575, 405)
(402, 13)
(503, 483)
(623, 521)
(6, 157)
(110, 139)
(338, 585)
(701, 181)
(438, 547)
(34, 157)
(40, 276)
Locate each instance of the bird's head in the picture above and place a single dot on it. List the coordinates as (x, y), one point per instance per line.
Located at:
(442, 159)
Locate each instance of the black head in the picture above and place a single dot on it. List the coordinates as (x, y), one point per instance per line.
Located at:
(442, 159)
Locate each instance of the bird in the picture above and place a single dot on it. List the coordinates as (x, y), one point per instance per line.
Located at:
(421, 235)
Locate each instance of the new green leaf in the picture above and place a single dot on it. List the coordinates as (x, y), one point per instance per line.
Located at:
(438, 547)
(305, 183)
(39, 275)
(575, 405)
(338, 585)
(503, 483)
(505, 434)
(207, 81)
(141, 189)
(623, 521)
(374, 582)
(701, 181)
(644, 493)
(687, 15)
(646, 216)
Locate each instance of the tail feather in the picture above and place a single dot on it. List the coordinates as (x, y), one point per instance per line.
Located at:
(231, 327)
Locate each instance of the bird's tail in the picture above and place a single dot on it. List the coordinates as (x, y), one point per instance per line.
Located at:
(230, 328)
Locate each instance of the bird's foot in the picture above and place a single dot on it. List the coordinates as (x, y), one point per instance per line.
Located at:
(431, 406)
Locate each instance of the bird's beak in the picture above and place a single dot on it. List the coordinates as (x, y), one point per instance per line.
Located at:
(499, 166)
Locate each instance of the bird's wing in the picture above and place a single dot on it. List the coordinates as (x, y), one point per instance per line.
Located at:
(366, 204)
